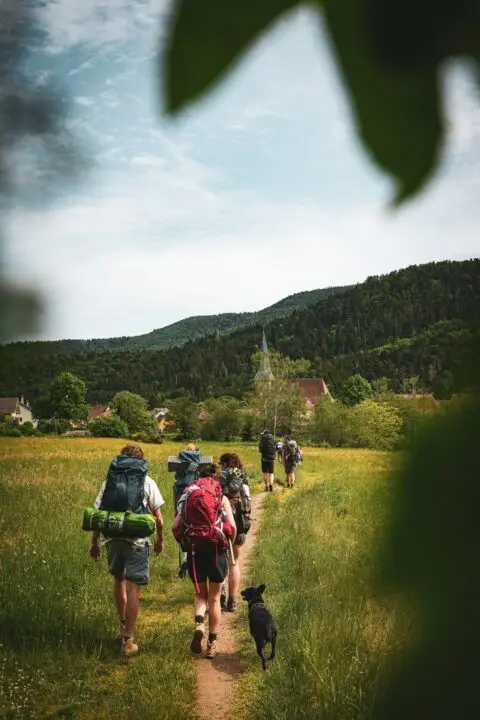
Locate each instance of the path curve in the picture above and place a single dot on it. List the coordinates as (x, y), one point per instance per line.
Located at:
(215, 679)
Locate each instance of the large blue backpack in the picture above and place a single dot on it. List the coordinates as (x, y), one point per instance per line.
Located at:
(125, 487)
(188, 470)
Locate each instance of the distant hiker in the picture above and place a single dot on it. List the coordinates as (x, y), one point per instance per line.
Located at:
(290, 459)
(184, 476)
(266, 448)
(205, 527)
(279, 447)
(129, 487)
(234, 482)
(188, 471)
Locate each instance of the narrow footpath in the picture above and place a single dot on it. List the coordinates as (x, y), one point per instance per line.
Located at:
(216, 678)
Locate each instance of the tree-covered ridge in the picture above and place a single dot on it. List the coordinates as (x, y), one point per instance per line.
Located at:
(336, 335)
(178, 333)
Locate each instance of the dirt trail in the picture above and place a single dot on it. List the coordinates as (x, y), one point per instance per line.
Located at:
(216, 678)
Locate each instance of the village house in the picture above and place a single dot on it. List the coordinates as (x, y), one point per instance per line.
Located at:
(97, 411)
(15, 410)
(160, 415)
(312, 390)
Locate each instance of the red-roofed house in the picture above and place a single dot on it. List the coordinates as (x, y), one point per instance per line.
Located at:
(312, 389)
(96, 411)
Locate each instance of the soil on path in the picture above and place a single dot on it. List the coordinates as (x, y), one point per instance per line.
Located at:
(216, 678)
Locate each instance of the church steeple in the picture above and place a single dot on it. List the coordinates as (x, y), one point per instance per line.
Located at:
(264, 371)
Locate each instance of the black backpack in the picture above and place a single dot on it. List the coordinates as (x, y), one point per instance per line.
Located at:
(267, 446)
(232, 481)
(125, 487)
(290, 450)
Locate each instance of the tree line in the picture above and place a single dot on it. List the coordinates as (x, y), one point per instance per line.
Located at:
(417, 321)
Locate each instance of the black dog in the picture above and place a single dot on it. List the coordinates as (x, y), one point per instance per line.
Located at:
(263, 627)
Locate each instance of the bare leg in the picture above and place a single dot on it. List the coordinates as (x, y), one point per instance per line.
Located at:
(131, 609)
(214, 610)
(200, 601)
(120, 594)
(272, 479)
(266, 477)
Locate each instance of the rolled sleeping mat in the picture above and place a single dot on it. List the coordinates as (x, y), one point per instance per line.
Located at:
(174, 462)
(118, 524)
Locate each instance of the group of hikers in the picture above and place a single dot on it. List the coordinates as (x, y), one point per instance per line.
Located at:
(212, 516)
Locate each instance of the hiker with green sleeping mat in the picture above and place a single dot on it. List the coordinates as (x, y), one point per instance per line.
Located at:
(128, 487)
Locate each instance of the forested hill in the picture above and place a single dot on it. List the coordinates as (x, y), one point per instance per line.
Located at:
(434, 308)
(183, 331)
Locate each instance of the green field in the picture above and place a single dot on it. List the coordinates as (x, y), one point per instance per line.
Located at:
(317, 556)
(58, 657)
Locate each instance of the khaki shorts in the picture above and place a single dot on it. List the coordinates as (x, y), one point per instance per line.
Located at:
(133, 559)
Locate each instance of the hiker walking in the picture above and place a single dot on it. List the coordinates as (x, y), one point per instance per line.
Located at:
(290, 459)
(187, 472)
(266, 449)
(234, 482)
(279, 448)
(129, 487)
(184, 476)
(205, 527)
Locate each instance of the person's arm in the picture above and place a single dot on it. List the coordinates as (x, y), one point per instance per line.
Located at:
(158, 546)
(95, 537)
(229, 513)
(95, 545)
(155, 501)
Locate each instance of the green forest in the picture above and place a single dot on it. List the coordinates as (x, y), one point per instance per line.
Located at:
(183, 331)
(415, 321)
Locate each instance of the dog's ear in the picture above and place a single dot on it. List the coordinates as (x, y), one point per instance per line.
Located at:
(261, 589)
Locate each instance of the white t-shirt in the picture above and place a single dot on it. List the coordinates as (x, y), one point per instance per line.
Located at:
(152, 500)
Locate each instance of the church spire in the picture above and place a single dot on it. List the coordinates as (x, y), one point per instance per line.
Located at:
(264, 371)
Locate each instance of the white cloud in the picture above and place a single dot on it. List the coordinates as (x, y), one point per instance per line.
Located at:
(147, 161)
(97, 23)
(111, 264)
(84, 101)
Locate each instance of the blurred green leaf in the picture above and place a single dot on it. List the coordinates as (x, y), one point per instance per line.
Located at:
(417, 33)
(398, 114)
(205, 40)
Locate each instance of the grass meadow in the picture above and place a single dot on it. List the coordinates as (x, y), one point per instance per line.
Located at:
(315, 552)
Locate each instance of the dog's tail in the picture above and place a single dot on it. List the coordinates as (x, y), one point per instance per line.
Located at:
(273, 641)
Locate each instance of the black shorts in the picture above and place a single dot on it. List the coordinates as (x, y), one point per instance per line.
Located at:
(211, 565)
(267, 466)
(290, 467)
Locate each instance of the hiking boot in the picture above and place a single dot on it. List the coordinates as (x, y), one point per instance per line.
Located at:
(231, 604)
(223, 601)
(211, 650)
(129, 647)
(271, 488)
(196, 644)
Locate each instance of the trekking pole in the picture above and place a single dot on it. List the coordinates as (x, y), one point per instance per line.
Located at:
(231, 552)
(174, 513)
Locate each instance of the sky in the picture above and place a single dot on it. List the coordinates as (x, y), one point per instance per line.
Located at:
(259, 191)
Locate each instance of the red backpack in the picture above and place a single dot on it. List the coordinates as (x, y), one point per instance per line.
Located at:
(204, 524)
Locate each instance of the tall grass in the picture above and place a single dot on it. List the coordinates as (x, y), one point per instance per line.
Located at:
(58, 656)
(316, 555)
